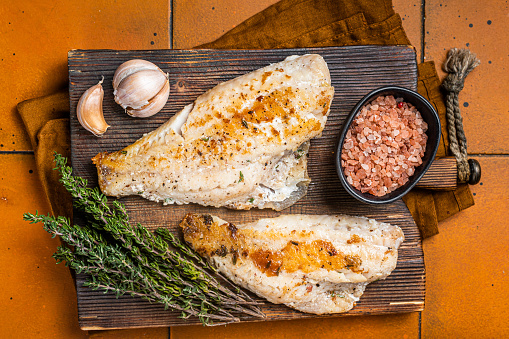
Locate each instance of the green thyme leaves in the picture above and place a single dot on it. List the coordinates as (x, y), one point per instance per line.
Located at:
(129, 259)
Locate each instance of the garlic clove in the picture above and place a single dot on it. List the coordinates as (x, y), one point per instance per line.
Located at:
(90, 110)
(155, 105)
(130, 67)
(140, 87)
(136, 90)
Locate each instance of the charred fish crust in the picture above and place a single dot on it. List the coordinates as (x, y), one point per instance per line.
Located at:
(329, 248)
(190, 227)
(207, 219)
(268, 262)
(315, 264)
(235, 255)
(355, 239)
(233, 230)
(353, 262)
(221, 251)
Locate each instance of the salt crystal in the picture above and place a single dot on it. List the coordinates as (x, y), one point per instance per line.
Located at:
(383, 145)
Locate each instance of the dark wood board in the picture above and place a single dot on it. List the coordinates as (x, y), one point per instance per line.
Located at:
(354, 71)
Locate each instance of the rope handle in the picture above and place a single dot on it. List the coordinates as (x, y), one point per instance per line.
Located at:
(459, 63)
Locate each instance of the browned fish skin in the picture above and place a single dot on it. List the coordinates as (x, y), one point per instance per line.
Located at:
(242, 144)
(209, 239)
(316, 264)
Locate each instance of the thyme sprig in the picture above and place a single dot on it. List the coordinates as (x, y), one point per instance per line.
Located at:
(129, 259)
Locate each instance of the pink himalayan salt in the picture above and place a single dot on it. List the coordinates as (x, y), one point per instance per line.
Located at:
(383, 146)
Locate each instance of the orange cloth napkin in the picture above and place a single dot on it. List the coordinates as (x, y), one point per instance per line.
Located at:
(46, 120)
(287, 24)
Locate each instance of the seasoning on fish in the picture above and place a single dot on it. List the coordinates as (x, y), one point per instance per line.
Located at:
(242, 144)
(314, 263)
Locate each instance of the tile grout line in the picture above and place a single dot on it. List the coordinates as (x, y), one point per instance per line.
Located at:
(16, 152)
(420, 324)
(423, 29)
(170, 24)
(488, 155)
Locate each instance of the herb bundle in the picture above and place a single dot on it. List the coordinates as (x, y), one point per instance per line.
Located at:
(129, 259)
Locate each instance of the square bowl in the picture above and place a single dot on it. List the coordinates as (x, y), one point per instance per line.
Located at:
(428, 114)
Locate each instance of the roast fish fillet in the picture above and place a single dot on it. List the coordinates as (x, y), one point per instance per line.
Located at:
(242, 144)
(314, 263)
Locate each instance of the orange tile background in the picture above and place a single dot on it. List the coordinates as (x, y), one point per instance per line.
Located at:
(482, 27)
(467, 289)
(37, 34)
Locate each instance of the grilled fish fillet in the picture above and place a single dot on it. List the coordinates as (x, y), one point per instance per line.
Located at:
(242, 144)
(314, 263)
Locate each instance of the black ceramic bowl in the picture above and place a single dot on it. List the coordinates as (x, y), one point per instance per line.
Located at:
(429, 115)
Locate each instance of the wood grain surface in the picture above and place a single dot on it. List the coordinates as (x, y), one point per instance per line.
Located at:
(441, 175)
(354, 71)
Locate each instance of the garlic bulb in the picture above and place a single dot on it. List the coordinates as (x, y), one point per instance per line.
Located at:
(141, 88)
(90, 110)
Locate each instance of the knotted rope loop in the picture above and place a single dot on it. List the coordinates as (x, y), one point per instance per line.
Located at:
(459, 63)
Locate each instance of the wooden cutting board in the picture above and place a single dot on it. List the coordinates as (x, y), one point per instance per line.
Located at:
(354, 71)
